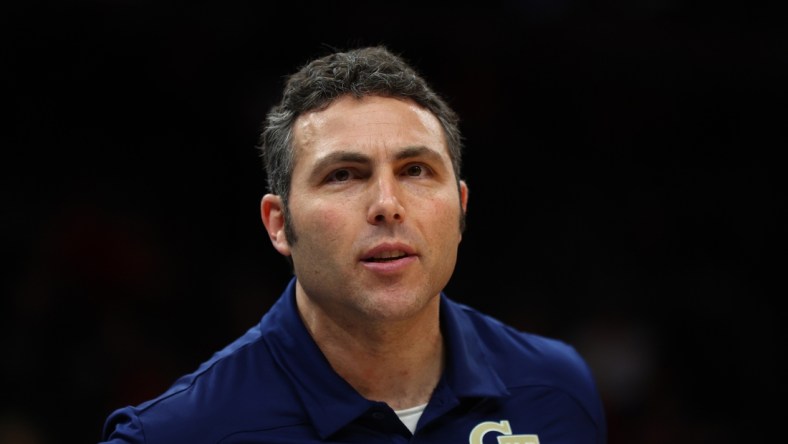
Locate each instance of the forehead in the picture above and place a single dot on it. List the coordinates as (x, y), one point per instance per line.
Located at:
(367, 122)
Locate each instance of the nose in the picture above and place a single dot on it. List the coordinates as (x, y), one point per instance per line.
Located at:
(386, 206)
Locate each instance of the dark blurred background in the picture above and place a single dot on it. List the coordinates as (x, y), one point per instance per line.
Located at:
(622, 160)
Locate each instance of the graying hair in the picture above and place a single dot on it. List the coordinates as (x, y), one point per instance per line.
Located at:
(360, 72)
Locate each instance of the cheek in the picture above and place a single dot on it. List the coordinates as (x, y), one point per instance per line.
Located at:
(331, 225)
(448, 210)
(323, 223)
(443, 221)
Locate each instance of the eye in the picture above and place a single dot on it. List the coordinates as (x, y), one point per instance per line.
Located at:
(342, 175)
(415, 170)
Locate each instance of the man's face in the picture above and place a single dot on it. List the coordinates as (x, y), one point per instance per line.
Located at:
(375, 206)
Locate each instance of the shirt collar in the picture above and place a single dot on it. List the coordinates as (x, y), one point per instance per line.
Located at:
(468, 373)
(330, 401)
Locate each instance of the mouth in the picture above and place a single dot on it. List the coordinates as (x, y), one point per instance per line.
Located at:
(387, 256)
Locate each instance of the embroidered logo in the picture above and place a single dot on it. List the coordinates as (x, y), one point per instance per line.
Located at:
(503, 427)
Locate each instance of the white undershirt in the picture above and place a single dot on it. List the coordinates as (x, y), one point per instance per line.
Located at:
(410, 416)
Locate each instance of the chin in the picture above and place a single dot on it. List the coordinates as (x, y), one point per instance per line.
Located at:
(396, 307)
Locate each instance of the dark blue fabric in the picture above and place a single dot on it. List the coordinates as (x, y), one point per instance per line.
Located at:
(273, 385)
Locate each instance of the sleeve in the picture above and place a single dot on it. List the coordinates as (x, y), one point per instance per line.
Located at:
(123, 426)
(589, 395)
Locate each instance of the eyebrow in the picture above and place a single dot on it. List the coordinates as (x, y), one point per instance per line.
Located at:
(407, 152)
(417, 151)
(340, 156)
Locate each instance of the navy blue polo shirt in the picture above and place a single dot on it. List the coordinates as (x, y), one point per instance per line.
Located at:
(273, 385)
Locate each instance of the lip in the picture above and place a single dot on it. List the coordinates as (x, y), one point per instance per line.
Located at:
(389, 266)
(388, 247)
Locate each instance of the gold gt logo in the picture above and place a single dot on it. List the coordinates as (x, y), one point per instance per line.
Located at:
(503, 427)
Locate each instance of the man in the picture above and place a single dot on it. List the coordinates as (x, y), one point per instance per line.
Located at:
(366, 202)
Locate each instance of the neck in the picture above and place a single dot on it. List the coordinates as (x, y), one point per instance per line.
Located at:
(396, 362)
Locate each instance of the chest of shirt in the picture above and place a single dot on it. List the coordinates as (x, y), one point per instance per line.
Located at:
(531, 416)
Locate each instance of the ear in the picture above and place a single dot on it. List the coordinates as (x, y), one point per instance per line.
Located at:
(463, 202)
(464, 196)
(272, 212)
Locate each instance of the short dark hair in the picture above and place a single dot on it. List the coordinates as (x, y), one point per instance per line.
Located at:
(367, 71)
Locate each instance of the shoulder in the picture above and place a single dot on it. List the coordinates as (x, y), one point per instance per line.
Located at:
(525, 359)
(546, 358)
(236, 386)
